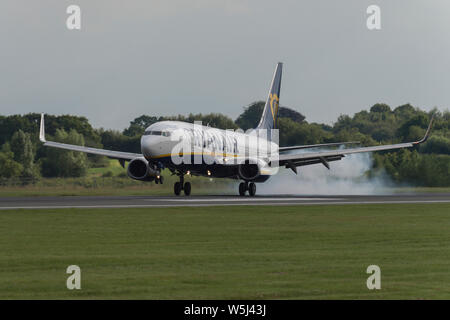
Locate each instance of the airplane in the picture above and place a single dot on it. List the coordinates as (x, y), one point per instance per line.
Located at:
(194, 149)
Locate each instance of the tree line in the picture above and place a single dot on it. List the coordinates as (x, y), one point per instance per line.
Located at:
(22, 155)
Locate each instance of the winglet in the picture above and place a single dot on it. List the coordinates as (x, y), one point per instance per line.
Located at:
(427, 133)
(42, 129)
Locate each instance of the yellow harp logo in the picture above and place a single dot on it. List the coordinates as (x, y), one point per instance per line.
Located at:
(274, 100)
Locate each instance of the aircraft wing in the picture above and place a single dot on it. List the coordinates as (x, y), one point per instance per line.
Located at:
(308, 146)
(109, 153)
(293, 161)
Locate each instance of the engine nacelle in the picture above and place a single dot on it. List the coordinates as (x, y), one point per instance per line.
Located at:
(250, 170)
(139, 169)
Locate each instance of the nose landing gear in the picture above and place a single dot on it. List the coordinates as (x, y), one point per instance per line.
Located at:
(181, 185)
(245, 186)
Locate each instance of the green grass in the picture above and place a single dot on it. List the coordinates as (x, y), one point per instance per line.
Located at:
(96, 184)
(244, 252)
(114, 167)
(115, 186)
(118, 186)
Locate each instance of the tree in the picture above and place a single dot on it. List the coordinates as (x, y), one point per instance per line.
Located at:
(420, 121)
(404, 112)
(23, 151)
(138, 125)
(436, 144)
(216, 120)
(249, 119)
(115, 140)
(380, 107)
(8, 167)
(64, 163)
(295, 116)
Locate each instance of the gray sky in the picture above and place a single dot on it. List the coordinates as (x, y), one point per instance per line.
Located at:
(180, 56)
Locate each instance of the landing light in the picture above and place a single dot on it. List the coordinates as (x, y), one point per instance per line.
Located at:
(188, 173)
(209, 173)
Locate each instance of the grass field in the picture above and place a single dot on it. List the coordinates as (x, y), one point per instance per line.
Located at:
(115, 187)
(304, 252)
(113, 181)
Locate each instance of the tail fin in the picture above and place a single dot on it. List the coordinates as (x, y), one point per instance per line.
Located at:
(270, 114)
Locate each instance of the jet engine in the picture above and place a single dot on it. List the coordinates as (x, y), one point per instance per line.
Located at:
(139, 169)
(250, 170)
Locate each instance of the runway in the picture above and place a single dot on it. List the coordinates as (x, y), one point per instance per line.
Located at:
(12, 203)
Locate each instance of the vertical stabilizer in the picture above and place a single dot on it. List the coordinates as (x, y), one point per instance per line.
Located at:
(270, 113)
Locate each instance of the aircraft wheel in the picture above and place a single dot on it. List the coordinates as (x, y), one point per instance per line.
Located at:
(187, 188)
(242, 189)
(161, 179)
(177, 188)
(252, 189)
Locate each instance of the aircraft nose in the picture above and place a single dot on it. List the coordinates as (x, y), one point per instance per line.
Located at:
(149, 146)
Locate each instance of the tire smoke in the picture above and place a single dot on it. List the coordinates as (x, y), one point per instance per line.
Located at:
(346, 176)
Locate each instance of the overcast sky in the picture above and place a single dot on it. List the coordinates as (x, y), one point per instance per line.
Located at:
(179, 56)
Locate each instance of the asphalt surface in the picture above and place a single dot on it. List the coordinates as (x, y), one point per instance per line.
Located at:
(195, 201)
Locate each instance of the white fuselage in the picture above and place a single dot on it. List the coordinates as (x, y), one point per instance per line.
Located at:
(176, 143)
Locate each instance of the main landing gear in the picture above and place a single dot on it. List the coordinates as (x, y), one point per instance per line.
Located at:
(245, 186)
(181, 185)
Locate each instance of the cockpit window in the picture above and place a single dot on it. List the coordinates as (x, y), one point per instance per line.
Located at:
(157, 133)
(152, 133)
